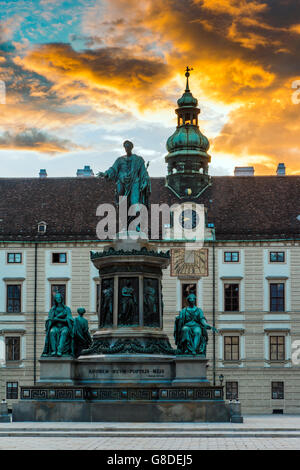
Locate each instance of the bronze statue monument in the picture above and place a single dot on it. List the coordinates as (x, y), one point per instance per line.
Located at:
(128, 371)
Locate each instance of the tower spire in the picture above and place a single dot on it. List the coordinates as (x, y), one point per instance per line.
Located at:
(187, 74)
(187, 149)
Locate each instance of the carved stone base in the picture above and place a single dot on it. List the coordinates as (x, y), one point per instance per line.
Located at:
(130, 341)
(130, 369)
(123, 387)
(137, 411)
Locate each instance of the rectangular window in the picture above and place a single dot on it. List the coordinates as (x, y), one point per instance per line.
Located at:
(12, 390)
(231, 297)
(277, 348)
(13, 296)
(12, 348)
(277, 256)
(14, 257)
(231, 256)
(186, 290)
(232, 390)
(277, 390)
(59, 257)
(231, 348)
(58, 289)
(277, 297)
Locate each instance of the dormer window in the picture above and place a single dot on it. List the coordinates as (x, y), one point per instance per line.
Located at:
(42, 227)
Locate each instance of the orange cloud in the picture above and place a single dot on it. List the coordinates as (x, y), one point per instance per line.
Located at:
(264, 133)
(104, 74)
(233, 7)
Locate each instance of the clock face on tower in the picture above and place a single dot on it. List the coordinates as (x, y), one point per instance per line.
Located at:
(189, 263)
(189, 219)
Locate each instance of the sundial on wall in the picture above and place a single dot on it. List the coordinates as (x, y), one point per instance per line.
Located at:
(189, 263)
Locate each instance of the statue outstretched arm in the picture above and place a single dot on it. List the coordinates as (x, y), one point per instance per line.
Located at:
(209, 327)
(111, 173)
(205, 324)
(106, 174)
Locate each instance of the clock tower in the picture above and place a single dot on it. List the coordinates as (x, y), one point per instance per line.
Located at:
(187, 158)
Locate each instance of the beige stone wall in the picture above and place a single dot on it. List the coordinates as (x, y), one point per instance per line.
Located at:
(253, 373)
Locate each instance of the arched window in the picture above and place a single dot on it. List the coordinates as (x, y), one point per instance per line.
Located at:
(187, 119)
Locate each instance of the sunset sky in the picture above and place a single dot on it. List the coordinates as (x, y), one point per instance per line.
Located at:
(82, 76)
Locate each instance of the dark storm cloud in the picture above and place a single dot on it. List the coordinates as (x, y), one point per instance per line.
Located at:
(34, 139)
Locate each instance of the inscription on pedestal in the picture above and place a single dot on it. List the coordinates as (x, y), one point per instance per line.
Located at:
(147, 372)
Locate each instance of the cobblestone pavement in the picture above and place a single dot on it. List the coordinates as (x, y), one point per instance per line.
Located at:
(271, 424)
(164, 444)
(250, 421)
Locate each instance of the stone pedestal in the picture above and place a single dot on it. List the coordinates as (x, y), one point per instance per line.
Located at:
(129, 266)
(136, 410)
(190, 370)
(57, 369)
(131, 369)
(120, 387)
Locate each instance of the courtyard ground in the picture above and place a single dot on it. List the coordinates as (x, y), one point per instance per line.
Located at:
(263, 432)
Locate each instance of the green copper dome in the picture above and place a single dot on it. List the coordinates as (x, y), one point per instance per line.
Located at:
(187, 139)
(187, 99)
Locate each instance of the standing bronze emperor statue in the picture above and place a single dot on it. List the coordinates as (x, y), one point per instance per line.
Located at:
(131, 177)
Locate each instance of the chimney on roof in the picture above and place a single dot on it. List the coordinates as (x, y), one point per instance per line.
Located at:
(85, 172)
(43, 173)
(244, 171)
(280, 169)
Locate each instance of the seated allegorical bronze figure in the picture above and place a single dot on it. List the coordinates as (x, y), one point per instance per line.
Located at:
(59, 329)
(81, 335)
(190, 330)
